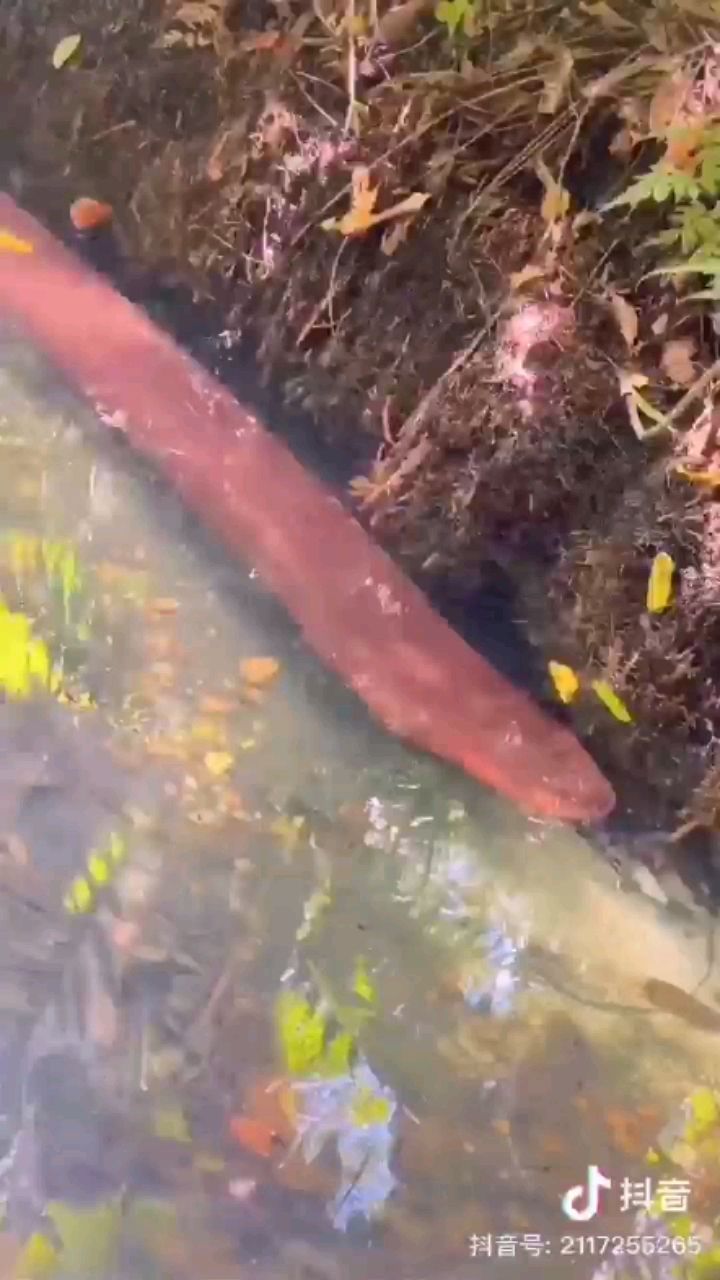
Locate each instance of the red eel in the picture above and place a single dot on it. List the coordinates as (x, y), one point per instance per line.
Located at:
(356, 608)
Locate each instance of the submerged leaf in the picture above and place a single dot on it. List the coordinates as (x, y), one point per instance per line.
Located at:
(170, 1124)
(219, 762)
(368, 1108)
(363, 985)
(612, 701)
(24, 658)
(38, 1259)
(301, 1032)
(659, 590)
(90, 1236)
(253, 1135)
(259, 671)
(564, 679)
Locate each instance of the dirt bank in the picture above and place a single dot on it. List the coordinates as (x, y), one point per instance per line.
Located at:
(404, 211)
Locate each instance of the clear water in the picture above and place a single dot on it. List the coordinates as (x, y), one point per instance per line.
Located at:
(338, 1009)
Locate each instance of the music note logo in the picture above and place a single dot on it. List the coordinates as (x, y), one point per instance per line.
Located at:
(581, 1203)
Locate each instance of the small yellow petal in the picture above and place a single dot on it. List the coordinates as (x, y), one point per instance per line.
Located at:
(219, 762)
(79, 899)
(565, 681)
(98, 869)
(659, 590)
(610, 699)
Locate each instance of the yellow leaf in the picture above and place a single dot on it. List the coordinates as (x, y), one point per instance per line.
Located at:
(361, 216)
(13, 244)
(610, 699)
(706, 479)
(556, 200)
(64, 50)
(565, 680)
(368, 1108)
(39, 1258)
(259, 671)
(219, 762)
(659, 590)
(525, 275)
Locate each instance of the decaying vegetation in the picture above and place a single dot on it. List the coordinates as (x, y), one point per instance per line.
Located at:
(484, 235)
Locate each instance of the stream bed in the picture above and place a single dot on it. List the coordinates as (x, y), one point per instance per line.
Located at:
(279, 997)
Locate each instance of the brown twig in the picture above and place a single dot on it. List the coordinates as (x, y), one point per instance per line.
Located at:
(692, 394)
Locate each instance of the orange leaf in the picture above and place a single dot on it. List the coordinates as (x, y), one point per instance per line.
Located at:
(259, 671)
(668, 101)
(254, 1135)
(88, 215)
(361, 216)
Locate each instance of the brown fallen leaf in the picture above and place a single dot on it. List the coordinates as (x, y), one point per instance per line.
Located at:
(361, 216)
(626, 318)
(676, 360)
(394, 236)
(526, 275)
(555, 81)
(399, 23)
(668, 101)
(607, 16)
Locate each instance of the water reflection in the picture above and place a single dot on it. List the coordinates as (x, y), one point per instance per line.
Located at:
(275, 993)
